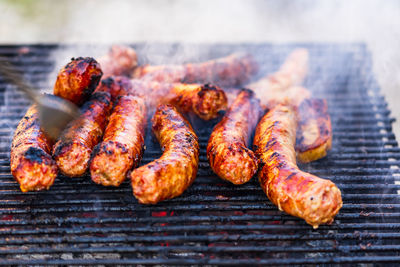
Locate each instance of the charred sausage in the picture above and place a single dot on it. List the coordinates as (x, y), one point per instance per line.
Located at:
(171, 174)
(31, 162)
(233, 70)
(123, 142)
(116, 86)
(206, 101)
(298, 193)
(227, 149)
(74, 147)
(78, 79)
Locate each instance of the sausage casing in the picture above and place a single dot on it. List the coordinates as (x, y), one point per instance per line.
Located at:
(31, 162)
(298, 193)
(314, 130)
(169, 175)
(233, 70)
(227, 150)
(271, 88)
(123, 142)
(74, 147)
(206, 101)
(120, 60)
(116, 86)
(78, 79)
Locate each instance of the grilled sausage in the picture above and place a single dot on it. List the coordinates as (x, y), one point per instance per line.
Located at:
(31, 162)
(120, 60)
(123, 142)
(116, 86)
(314, 131)
(294, 96)
(291, 73)
(74, 147)
(227, 149)
(298, 193)
(233, 70)
(77, 80)
(170, 175)
(206, 101)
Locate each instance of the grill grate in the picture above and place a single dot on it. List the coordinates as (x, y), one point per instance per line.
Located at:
(78, 222)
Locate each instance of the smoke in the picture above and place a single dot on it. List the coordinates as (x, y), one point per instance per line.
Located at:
(88, 24)
(200, 22)
(228, 21)
(210, 21)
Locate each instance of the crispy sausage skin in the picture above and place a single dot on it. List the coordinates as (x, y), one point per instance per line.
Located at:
(123, 142)
(314, 133)
(233, 70)
(227, 149)
(171, 174)
(298, 193)
(206, 101)
(116, 86)
(314, 130)
(31, 162)
(78, 79)
(120, 60)
(74, 147)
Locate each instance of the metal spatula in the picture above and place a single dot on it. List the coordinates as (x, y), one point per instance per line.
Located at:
(54, 112)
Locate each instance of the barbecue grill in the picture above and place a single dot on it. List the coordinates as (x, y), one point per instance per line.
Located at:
(213, 222)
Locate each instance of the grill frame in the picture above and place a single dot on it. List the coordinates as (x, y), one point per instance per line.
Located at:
(80, 223)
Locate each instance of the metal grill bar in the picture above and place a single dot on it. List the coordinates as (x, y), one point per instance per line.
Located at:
(79, 223)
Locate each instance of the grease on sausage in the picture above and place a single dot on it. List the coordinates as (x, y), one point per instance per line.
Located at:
(206, 101)
(73, 149)
(227, 149)
(78, 79)
(31, 162)
(298, 193)
(123, 142)
(171, 174)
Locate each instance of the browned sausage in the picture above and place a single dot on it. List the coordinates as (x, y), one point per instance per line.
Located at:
(314, 130)
(298, 193)
(291, 73)
(77, 80)
(120, 60)
(314, 133)
(74, 147)
(227, 149)
(123, 142)
(206, 101)
(233, 70)
(116, 86)
(31, 162)
(170, 175)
